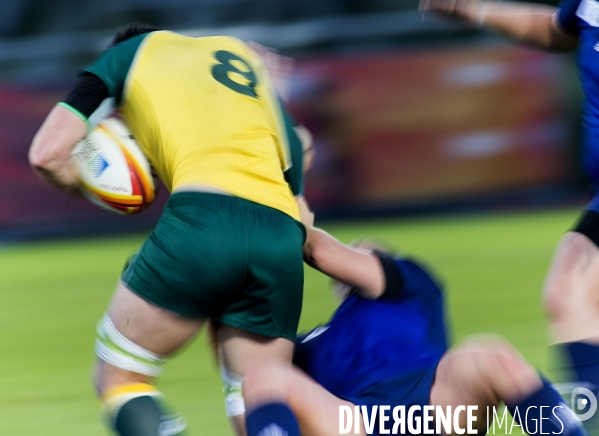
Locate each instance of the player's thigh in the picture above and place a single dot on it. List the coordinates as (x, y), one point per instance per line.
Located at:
(481, 372)
(136, 327)
(316, 409)
(458, 383)
(241, 350)
(149, 326)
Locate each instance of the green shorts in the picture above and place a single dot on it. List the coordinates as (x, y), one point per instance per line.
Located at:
(221, 257)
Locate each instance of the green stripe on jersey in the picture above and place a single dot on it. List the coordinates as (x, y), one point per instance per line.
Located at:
(75, 111)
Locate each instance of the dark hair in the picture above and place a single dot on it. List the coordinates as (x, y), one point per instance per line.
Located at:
(131, 30)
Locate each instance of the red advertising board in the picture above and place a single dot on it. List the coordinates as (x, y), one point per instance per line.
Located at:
(433, 125)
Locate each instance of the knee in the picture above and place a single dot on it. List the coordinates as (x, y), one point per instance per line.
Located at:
(271, 376)
(503, 367)
(106, 376)
(493, 351)
(102, 377)
(121, 361)
(570, 262)
(555, 304)
(266, 383)
(98, 381)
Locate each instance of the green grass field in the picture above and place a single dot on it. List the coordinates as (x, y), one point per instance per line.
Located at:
(52, 294)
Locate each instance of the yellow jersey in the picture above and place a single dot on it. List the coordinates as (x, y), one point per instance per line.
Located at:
(204, 112)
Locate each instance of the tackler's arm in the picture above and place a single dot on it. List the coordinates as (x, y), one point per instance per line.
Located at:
(529, 23)
(357, 267)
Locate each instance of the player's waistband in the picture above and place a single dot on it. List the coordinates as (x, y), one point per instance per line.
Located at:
(201, 198)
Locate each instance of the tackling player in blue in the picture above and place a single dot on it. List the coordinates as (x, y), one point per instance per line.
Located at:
(571, 294)
(387, 344)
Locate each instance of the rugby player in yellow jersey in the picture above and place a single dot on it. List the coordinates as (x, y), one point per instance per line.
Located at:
(228, 245)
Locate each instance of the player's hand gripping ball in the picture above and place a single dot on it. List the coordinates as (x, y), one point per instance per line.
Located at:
(113, 171)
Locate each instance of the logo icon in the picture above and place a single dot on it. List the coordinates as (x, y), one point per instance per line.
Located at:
(596, 47)
(97, 165)
(273, 430)
(583, 403)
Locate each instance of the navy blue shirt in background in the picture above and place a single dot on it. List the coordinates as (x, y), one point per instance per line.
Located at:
(581, 18)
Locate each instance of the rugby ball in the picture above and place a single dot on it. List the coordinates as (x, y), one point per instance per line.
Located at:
(113, 171)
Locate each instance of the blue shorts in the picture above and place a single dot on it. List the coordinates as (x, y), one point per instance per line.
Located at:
(590, 154)
(410, 389)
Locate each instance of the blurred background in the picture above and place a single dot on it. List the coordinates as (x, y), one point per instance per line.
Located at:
(407, 115)
(439, 138)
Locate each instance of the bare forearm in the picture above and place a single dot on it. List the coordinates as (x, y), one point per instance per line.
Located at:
(51, 149)
(530, 24)
(63, 178)
(356, 267)
(315, 245)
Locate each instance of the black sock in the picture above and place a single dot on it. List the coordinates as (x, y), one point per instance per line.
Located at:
(144, 416)
(588, 224)
(585, 362)
(544, 412)
(584, 358)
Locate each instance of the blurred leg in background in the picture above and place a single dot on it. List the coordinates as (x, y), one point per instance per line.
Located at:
(571, 299)
(486, 371)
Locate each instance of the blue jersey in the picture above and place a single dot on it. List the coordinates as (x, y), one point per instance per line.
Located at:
(581, 18)
(381, 351)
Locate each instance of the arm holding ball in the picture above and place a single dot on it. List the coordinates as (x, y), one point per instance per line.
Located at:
(50, 151)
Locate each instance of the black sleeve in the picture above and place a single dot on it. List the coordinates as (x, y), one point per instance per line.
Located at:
(566, 16)
(393, 281)
(588, 225)
(89, 92)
